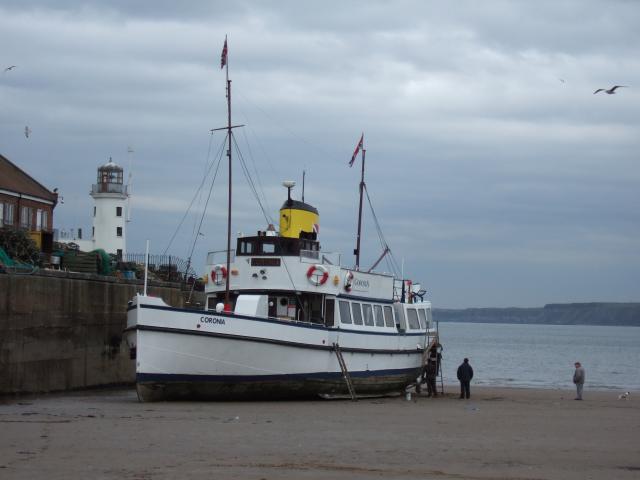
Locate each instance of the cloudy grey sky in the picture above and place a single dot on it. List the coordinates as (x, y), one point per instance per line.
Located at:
(497, 175)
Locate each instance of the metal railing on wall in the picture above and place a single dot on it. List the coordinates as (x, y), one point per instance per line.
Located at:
(167, 267)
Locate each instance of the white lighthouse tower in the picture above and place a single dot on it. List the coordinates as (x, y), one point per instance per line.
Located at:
(109, 212)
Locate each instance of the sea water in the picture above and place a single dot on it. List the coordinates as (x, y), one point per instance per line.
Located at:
(542, 356)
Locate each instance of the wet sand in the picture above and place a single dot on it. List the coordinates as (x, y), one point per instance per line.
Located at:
(498, 434)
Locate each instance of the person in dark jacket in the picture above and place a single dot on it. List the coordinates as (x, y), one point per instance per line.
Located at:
(465, 374)
(578, 379)
(431, 372)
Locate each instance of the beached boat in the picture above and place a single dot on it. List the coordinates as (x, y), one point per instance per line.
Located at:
(282, 319)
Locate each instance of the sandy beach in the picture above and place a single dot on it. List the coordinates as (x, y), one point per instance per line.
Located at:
(498, 434)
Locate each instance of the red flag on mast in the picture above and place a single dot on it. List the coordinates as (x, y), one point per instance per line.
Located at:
(355, 153)
(223, 57)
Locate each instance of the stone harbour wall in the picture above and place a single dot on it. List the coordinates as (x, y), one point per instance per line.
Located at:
(63, 331)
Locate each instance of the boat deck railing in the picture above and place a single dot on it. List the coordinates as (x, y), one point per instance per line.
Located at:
(306, 256)
(220, 256)
(316, 256)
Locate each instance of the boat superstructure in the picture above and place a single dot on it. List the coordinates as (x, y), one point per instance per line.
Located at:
(282, 319)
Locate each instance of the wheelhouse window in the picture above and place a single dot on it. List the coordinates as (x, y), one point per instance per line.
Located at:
(357, 313)
(268, 248)
(388, 316)
(345, 312)
(270, 245)
(246, 248)
(412, 315)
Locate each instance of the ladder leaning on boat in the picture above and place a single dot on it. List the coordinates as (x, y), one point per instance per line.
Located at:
(345, 372)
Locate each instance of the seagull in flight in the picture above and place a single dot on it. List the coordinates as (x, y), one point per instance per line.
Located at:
(11, 67)
(611, 91)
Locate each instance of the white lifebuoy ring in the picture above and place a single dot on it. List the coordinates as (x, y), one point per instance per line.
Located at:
(348, 279)
(218, 274)
(317, 275)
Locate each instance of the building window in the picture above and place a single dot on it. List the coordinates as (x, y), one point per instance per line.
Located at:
(93, 232)
(26, 217)
(94, 211)
(38, 220)
(8, 213)
(119, 231)
(119, 254)
(44, 221)
(118, 211)
(1, 214)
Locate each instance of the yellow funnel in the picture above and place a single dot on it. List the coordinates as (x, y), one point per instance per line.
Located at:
(297, 217)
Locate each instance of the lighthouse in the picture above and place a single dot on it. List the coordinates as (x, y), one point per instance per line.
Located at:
(109, 211)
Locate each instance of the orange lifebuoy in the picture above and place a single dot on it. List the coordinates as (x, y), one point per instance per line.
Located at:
(218, 274)
(317, 278)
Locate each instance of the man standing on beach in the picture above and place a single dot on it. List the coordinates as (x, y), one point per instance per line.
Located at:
(465, 374)
(578, 379)
(431, 371)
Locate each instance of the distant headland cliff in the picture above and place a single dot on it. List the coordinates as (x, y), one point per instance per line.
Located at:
(620, 314)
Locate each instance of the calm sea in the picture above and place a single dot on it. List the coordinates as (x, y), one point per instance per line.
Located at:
(542, 356)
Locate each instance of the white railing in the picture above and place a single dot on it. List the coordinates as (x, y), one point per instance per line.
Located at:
(220, 256)
(315, 256)
(108, 188)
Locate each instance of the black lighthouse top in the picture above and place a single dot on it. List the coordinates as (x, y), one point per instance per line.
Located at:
(110, 178)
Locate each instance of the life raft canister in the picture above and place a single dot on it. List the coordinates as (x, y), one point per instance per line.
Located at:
(348, 279)
(317, 275)
(218, 274)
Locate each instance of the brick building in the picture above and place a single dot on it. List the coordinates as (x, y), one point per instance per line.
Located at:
(25, 203)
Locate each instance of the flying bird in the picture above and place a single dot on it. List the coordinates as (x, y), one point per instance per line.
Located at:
(611, 91)
(27, 131)
(10, 68)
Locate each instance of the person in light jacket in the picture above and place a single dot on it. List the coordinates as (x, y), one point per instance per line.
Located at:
(465, 374)
(578, 379)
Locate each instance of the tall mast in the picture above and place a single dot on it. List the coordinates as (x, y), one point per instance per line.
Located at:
(229, 128)
(357, 250)
(227, 297)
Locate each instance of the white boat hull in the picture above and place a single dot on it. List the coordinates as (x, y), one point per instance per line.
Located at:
(184, 354)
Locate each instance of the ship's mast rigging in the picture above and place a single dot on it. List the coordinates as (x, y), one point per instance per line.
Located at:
(224, 63)
(359, 146)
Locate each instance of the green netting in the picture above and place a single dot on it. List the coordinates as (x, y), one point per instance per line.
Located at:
(105, 262)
